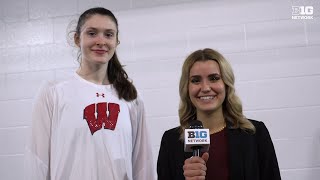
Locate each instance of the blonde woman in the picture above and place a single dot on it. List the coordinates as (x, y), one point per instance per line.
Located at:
(241, 149)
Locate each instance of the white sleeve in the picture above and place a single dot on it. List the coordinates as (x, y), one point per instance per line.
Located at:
(142, 161)
(37, 154)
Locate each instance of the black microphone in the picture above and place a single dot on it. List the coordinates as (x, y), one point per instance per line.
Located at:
(196, 139)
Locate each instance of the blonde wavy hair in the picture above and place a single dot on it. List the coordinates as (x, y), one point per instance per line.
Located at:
(232, 107)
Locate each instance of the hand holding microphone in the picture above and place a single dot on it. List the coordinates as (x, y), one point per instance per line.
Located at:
(197, 140)
(196, 167)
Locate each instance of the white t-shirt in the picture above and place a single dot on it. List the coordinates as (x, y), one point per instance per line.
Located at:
(83, 131)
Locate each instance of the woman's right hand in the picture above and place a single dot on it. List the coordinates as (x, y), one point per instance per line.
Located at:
(195, 167)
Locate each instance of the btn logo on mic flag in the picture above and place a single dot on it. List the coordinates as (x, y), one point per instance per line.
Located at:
(196, 137)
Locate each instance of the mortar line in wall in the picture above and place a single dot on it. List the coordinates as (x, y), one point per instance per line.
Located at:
(281, 108)
(9, 100)
(252, 22)
(292, 138)
(245, 37)
(10, 155)
(33, 71)
(278, 78)
(276, 20)
(187, 36)
(13, 127)
(154, 59)
(53, 26)
(295, 169)
(150, 59)
(278, 48)
(305, 32)
(274, 48)
(77, 7)
(15, 99)
(22, 72)
(154, 117)
(157, 89)
(28, 6)
(43, 70)
(239, 23)
(131, 4)
(28, 60)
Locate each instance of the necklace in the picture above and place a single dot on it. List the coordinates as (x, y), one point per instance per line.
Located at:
(218, 130)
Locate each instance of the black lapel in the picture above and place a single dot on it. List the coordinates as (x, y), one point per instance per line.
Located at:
(235, 153)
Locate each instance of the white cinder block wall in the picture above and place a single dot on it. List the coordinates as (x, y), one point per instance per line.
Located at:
(275, 59)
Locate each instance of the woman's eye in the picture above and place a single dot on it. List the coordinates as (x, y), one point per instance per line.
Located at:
(109, 35)
(91, 33)
(194, 80)
(214, 78)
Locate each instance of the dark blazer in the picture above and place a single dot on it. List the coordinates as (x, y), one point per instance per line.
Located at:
(251, 156)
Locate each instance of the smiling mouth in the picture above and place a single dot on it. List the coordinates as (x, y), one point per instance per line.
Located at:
(100, 51)
(206, 97)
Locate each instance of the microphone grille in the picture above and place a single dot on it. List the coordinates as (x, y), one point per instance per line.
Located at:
(196, 124)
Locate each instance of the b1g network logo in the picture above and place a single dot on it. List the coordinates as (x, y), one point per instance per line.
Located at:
(302, 12)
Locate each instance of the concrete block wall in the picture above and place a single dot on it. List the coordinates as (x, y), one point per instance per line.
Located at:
(275, 59)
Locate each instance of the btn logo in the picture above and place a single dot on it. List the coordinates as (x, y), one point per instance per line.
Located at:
(197, 134)
(302, 12)
(196, 137)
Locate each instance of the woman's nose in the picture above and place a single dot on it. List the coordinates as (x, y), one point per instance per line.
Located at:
(205, 87)
(101, 41)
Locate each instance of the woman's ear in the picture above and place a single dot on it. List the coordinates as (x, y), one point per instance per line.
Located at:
(76, 39)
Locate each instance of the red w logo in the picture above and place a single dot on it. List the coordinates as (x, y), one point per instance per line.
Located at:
(95, 122)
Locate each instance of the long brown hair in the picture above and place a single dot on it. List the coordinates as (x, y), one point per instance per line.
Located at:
(115, 72)
(232, 106)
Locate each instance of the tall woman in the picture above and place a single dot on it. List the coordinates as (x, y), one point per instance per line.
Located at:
(91, 126)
